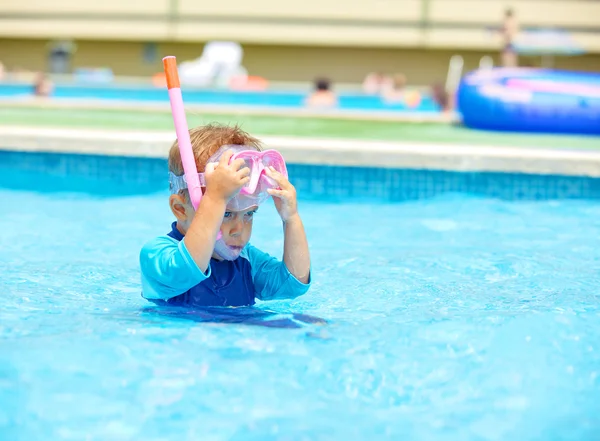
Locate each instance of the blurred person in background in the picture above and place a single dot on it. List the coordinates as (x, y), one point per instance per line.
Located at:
(375, 82)
(322, 96)
(43, 86)
(509, 30)
(1, 71)
(440, 96)
(394, 92)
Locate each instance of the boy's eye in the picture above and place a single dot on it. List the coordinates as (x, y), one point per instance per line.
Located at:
(250, 213)
(228, 214)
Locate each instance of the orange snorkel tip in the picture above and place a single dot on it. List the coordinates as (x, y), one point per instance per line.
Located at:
(170, 65)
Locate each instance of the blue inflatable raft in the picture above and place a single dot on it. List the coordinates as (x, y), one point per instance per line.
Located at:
(531, 100)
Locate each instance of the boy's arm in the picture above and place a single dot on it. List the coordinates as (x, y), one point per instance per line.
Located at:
(202, 234)
(295, 248)
(223, 181)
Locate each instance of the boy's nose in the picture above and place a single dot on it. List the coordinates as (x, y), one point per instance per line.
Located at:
(236, 228)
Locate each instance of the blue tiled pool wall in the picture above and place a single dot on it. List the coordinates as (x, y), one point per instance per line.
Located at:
(111, 175)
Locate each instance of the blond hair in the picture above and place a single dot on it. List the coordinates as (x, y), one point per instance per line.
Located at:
(206, 140)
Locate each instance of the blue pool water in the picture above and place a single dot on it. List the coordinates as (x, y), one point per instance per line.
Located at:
(282, 99)
(450, 318)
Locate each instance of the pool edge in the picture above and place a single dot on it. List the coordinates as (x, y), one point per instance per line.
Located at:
(314, 151)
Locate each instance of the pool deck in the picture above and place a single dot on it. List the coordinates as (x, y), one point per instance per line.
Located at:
(319, 151)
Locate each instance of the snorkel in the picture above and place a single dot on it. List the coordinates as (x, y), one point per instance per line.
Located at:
(181, 129)
(183, 134)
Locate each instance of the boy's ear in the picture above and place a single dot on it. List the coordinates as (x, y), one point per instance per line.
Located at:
(177, 204)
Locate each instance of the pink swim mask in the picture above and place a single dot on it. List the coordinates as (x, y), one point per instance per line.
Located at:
(254, 192)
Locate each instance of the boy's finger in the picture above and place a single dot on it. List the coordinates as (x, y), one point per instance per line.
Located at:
(276, 193)
(277, 177)
(238, 163)
(210, 167)
(272, 173)
(225, 157)
(244, 171)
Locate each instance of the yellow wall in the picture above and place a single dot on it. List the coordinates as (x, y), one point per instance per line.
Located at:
(289, 40)
(278, 63)
(436, 24)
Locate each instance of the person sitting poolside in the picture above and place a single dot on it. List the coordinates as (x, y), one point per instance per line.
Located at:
(375, 83)
(190, 265)
(43, 86)
(394, 92)
(322, 96)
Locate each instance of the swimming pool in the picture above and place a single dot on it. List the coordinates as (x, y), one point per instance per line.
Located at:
(456, 317)
(281, 99)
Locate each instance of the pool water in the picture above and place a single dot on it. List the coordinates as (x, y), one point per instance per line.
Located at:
(274, 98)
(454, 318)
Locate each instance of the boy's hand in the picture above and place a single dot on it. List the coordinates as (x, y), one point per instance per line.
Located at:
(224, 180)
(285, 197)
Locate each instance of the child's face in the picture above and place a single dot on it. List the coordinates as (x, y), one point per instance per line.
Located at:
(237, 228)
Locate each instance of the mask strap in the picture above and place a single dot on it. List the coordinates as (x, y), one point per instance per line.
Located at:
(178, 183)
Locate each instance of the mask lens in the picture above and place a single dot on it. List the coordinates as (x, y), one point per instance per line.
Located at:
(274, 160)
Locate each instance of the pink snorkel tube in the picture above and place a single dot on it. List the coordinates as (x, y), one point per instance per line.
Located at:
(181, 128)
(183, 135)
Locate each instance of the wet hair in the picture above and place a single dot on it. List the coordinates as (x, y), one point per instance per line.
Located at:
(206, 140)
(322, 84)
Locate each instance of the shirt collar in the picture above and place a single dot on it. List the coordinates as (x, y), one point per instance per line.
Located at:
(175, 233)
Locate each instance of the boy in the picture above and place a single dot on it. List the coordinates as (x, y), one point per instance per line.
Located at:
(189, 266)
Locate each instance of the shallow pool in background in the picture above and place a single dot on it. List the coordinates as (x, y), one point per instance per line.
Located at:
(449, 318)
(274, 98)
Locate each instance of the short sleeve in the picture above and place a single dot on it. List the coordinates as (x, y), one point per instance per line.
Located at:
(272, 280)
(168, 269)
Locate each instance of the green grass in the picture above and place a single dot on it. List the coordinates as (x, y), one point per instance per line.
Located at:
(288, 126)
